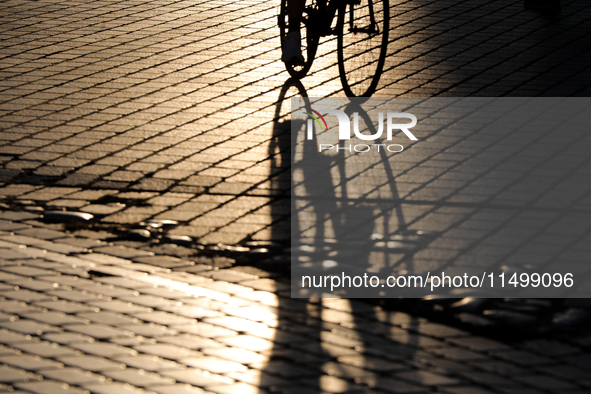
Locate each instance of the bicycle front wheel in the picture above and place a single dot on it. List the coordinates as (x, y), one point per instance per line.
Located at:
(362, 44)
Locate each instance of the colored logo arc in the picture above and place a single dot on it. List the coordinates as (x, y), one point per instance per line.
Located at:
(309, 113)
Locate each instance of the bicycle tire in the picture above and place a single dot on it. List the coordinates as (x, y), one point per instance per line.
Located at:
(361, 49)
(309, 37)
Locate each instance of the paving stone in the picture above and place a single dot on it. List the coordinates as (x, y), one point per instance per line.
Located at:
(298, 388)
(240, 324)
(7, 351)
(193, 342)
(148, 301)
(500, 367)
(131, 341)
(341, 340)
(254, 313)
(193, 312)
(9, 337)
(391, 385)
(393, 352)
(44, 349)
(231, 276)
(478, 344)
(138, 377)
(11, 254)
(523, 358)
(236, 388)
(265, 284)
(53, 318)
(41, 233)
(326, 349)
(29, 362)
(32, 284)
(10, 374)
(65, 306)
(11, 306)
(167, 351)
(107, 291)
(122, 251)
(546, 383)
(91, 363)
(177, 389)
(108, 318)
(149, 363)
(330, 384)
(197, 377)
(103, 349)
(119, 306)
(551, 348)
(206, 330)
(345, 371)
(215, 365)
(372, 364)
(48, 386)
(74, 295)
(99, 331)
(437, 330)
(248, 342)
(466, 390)
(68, 280)
(149, 330)
(27, 271)
(488, 379)
(18, 216)
(73, 376)
(6, 388)
(115, 388)
(413, 340)
(226, 287)
(520, 390)
(42, 244)
(164, 261)
(258, 378)
(286, 369)
(427, 378)
(457, 354)
(26, 295)
(66, 338)
(124, 283)
(565, 372)
(29, 327)
(6, 225)
(164, 318)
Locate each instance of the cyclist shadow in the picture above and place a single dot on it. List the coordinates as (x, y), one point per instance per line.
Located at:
(328, 345)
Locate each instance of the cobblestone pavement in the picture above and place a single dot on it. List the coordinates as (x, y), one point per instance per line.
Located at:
(85, 315)
(175, 110)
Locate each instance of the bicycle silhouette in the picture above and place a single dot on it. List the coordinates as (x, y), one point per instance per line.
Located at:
(362, 39)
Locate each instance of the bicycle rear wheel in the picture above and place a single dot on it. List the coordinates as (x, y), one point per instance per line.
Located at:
(308, 34)
(362, 44)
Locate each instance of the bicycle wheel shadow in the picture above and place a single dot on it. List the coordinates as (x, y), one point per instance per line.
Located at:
(329, 345)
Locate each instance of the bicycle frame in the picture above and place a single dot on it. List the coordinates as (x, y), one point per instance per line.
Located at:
(324, 16)
(327, 11)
